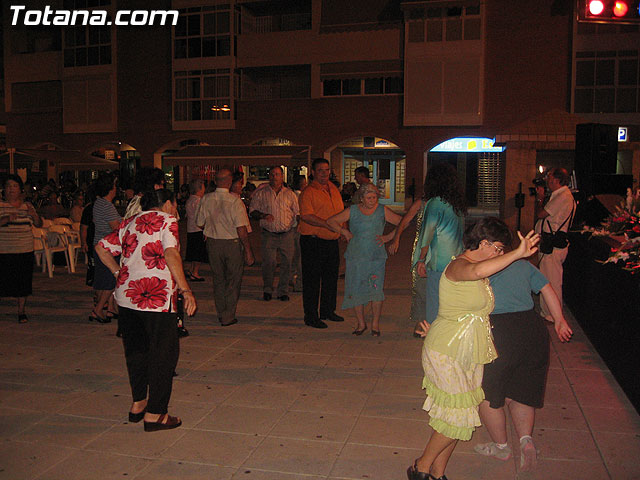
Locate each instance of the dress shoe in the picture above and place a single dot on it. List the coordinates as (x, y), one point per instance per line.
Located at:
(266, 296)
(230, 322)
(332, 317)
(283, 298)
(314, 322)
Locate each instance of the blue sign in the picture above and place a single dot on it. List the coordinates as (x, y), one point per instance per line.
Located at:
(622, 134)
(468, 145)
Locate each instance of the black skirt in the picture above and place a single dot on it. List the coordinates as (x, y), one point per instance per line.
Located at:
(17, 277)
(196, 248)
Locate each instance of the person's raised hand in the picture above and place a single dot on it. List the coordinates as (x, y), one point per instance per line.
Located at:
(528, 244)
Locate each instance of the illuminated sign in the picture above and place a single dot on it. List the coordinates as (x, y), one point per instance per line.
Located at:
(468, 145)
(622, 134)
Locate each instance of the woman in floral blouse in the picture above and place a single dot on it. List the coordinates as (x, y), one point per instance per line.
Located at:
(148, 279)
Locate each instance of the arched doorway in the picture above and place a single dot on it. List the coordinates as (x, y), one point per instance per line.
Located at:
(385, 160)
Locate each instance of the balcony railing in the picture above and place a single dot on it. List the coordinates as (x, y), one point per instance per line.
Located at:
(279, 23)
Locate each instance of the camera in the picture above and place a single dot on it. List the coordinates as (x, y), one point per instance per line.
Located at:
(537, 182)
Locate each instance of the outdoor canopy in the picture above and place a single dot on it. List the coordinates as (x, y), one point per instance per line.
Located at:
(228, 155)
(62, 159)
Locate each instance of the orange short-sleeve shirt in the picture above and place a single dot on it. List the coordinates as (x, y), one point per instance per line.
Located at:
(315, 200)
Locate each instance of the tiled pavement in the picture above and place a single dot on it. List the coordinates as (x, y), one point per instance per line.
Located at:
(271, 399)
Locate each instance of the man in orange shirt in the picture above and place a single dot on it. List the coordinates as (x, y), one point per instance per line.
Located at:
(319, 246)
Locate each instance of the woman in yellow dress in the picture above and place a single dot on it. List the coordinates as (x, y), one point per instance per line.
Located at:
(459, 342)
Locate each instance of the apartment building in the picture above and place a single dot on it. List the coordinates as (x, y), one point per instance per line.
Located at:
(494, 87)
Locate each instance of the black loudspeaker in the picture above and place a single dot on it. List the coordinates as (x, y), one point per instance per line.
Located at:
(596, 153)
(618, 184)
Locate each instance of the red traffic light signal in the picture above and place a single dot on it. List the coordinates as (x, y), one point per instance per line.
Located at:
(609, 11)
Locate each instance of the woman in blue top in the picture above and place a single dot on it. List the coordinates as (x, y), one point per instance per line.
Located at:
(518, 376)
(365, 256)
(440, 235)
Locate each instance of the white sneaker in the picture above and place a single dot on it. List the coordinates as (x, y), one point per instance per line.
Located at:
(491, 450)
(528, 454)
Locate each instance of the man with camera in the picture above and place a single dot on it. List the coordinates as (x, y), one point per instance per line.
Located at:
(553, 219)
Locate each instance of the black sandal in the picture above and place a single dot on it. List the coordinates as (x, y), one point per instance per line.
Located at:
(172, 422)
(94, 317)
(22, 318)
(359, 332)
(414, 474)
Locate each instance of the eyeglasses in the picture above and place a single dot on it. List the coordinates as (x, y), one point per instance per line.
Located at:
(498, 248)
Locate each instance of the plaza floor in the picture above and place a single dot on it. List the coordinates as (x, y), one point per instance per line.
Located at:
(271, 399)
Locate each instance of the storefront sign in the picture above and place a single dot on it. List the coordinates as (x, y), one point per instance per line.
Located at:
(468, 145)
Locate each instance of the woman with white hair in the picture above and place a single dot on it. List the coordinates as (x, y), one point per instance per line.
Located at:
(196, 249)
(365, 256)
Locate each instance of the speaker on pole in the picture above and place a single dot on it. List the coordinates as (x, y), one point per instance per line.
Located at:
(596, 155)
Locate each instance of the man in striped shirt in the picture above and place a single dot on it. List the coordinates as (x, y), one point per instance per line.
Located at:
(276, 206)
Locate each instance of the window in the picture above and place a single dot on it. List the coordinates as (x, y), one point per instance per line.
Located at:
(203, 32)
(202, 95)
(87, 45)
(35, 39)
(607, 82)
(445, 24)
(362, 86)
(82, 4)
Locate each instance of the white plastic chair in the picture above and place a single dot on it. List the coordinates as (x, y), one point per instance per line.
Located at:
(63, 246)
(63, 221)
(39, 247)
(74, 245)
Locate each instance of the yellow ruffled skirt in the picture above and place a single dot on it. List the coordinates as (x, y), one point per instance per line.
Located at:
(453, 394)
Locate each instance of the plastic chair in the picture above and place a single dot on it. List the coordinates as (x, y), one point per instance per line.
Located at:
(39, 247)
(63, 246)
(62, 221)
(74, 245)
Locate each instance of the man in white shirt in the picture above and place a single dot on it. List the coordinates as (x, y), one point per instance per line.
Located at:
(224, 220)
(276, 206)
(554, 216)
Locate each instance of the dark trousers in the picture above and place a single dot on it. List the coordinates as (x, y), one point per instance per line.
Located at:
(151, 349)
(320, 263)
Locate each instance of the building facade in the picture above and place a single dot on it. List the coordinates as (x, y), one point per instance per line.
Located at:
(489, 86)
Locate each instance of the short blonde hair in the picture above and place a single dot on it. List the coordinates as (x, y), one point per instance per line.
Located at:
(369, 187)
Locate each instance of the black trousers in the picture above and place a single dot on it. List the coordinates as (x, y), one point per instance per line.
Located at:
(320, 264)
(151, 349)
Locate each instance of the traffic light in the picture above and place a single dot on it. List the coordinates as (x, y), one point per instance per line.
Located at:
(609, 11)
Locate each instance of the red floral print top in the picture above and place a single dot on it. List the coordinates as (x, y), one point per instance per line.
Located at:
(144, 282)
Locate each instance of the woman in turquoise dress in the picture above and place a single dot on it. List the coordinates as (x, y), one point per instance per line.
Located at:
(365, 256)
(439, 235)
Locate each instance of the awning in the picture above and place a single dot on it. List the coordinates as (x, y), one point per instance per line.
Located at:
(62, 159)
(229, 155)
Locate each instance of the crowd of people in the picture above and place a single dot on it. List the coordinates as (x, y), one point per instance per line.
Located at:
(485, 346)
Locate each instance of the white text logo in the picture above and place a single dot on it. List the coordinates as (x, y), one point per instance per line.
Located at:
(91, 17)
